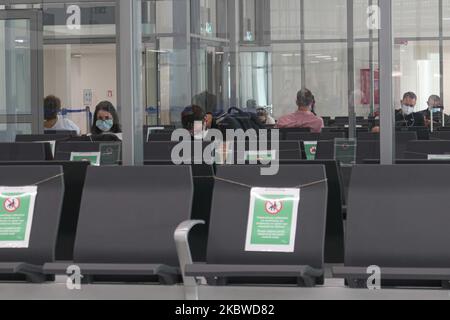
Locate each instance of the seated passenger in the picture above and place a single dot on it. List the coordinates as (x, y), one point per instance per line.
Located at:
(53, 121)
(436, 107)
(106, 120)
(264, 117)
(303, 118)
(406, 117)
(193, 114)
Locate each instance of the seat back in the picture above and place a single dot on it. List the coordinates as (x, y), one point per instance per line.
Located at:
(334, 240)
(47, 211)
(23, 151)
(298, 136)
(161, 151)
(230, 212)
(74, 176)
(128, 215)
(41, 137)
(421, 149)
(397, 217)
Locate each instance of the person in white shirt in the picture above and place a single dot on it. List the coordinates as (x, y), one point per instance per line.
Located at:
(53, 121)
(106, 120)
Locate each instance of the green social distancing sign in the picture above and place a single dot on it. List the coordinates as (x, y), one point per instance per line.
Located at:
(92, 157)
(16, 216)
(310, 150)
(269, 155)
(272, 223)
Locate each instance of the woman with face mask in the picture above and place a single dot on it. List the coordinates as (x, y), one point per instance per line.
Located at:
(106, 120)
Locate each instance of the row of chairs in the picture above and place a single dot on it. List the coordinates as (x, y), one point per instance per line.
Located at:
(125, 231)
(162, 151)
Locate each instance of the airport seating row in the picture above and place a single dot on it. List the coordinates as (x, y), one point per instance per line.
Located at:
(136, 223)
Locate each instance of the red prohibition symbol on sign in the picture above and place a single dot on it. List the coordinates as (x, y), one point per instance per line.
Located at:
(274, 207)
(11, 204)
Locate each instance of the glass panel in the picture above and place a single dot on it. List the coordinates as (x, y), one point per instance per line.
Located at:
(79, 20)
(15, 67)
(248, 20)
(15, 78)
(326, 76)
(73, 70)
(254, 84)
(325, 19)
(412, 18)
(285, 18)
(286, 77)
(416, 68)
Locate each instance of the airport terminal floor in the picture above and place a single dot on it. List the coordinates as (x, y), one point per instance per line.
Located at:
(212, 150)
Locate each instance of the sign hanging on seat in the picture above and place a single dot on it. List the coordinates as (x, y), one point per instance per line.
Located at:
(16, 216)
(272, 223)
(92, 157)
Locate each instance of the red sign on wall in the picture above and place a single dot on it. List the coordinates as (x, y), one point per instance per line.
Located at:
(365, 86)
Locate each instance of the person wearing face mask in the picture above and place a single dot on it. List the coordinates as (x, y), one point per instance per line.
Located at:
(435, 107)
(106, 120)
(406, 117)
(304, 117)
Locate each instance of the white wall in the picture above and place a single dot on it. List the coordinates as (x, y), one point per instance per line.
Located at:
(69, 69)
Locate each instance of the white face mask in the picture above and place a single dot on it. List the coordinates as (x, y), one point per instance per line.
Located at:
(407, 110)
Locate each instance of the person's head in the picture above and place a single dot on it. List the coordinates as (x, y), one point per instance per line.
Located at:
(52, 106)
(209, 120)
(434, 101)
(409, 103)
(106, 119)
(190, 115)
(305, 100)
(262, 115)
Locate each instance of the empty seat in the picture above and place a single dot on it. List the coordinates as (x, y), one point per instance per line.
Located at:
(74, 176)
(440, 135)
(422, 149)
(288, 150)
(25, 264)
(399, 222)
(41, 137)
(64, 150)
(285, 131)
(162, 151)
(23, 151)
(364, 150)
(334, 239)
(160, 136)
(299, 136)
(227, 260)
(127, 219)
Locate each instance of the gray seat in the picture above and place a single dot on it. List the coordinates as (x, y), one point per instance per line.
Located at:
(26, 264)
(421, 149)
(127, 219)
(227, 261)
(23, 151)
(397, 219)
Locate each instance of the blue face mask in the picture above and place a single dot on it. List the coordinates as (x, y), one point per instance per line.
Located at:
(104, 125)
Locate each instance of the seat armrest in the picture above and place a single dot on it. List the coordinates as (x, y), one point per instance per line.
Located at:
(181, 237)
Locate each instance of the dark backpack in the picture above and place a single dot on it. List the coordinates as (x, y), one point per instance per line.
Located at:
(236, 119)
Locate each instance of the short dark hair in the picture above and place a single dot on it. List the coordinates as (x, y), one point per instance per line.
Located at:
(410, 95)
(52, 105)
(305, 98)
(191, 114)
(108, 107)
